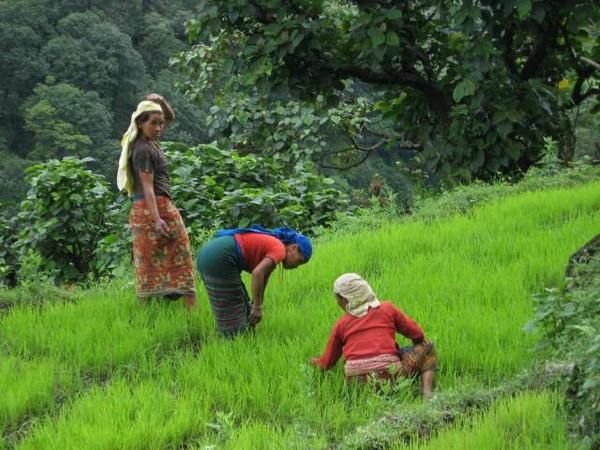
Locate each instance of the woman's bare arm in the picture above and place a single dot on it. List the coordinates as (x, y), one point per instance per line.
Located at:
(260, 275)
(147, 179)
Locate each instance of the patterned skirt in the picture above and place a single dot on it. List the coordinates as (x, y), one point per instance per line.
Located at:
(409, 361)
(163, 264)
(220, 266)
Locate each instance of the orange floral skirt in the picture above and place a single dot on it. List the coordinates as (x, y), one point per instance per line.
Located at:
(163, 264)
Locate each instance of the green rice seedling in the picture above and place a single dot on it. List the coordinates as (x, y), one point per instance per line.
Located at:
(97, 333)
(26, 387)
(123, 414)
(30, 387)
(532, 421)
(468, 280)
(179, 402)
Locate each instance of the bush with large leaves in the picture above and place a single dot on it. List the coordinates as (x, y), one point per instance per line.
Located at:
(215, 188)
(63, 216)
(71, 219)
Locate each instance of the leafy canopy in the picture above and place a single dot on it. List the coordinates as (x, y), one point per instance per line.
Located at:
(216, 188)
(473, 87)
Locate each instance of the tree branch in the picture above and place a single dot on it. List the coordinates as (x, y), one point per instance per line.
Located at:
(377, 133)
(366, 150)
(590, 62)
(437, 99)
(371, 148)
(350, 166)
(398, 78)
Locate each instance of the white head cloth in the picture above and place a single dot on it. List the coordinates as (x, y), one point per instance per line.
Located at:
(358, 292)
(124, 179)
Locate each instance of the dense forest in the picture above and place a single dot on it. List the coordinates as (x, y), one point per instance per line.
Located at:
(442, 91)
(287, 112)
(71, 73)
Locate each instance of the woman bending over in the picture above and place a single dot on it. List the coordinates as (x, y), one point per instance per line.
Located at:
(255, 250)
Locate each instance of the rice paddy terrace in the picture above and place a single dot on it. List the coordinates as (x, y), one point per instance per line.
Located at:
(102, 372)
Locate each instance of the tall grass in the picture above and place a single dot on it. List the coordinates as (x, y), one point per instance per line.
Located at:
(164, 378)
(100, 333)
(28, 387)
(530, 421)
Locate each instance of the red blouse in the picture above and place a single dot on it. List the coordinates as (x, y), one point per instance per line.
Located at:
(371, 335)
(255, 247)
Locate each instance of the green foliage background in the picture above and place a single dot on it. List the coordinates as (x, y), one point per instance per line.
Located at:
(465, 90)
(72, 72)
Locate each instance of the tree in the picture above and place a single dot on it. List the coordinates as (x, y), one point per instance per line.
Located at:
(157, 42)
(472, 86)
(65, 121)
(99, 48)
(22, 65)
(93, 54)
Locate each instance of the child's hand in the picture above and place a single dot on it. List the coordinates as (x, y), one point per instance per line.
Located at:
(314, 361)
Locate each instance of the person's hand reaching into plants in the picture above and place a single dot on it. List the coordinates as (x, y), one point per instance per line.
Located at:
(255, 314)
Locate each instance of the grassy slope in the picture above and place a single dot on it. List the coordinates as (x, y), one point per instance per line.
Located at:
(150, 377)
(529, 421)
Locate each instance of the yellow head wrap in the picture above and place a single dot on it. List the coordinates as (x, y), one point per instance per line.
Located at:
(357, 292)
(124, 176)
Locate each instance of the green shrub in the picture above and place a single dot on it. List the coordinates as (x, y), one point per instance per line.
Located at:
(570, 321)
(64, 215)
(114, 249)
(8, 251)
(214, 188)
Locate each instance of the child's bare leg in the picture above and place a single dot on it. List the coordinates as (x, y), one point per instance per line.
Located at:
(428, 378)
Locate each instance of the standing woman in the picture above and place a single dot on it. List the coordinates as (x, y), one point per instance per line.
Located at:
(257, 251)
(161, 249)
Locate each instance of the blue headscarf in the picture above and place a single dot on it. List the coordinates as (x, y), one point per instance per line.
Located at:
(284, 234)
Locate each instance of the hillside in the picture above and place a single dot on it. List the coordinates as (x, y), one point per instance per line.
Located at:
(102, 372)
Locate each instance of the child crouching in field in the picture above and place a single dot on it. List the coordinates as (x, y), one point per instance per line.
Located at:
(366, 335)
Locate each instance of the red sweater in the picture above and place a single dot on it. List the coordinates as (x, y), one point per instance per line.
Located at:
(371, 335)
